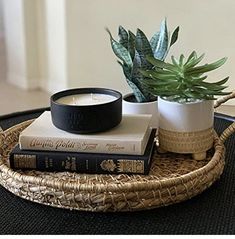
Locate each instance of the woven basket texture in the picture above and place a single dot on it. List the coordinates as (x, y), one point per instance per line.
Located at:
(173, 178)
(186, 142)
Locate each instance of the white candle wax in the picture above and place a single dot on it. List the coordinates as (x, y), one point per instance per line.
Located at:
(86, 99)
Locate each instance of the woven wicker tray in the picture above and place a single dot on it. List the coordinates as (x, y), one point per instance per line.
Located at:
(173, 178)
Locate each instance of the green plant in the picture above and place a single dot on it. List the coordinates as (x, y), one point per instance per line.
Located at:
(183, 80)
(132, 51)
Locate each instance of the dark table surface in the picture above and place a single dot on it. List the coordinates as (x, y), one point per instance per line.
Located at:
(211, 212)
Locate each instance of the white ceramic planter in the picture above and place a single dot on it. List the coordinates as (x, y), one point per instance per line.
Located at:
(186, 128)
(129, 107)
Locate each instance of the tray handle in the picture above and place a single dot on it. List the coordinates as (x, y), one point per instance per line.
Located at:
(2, 138)
(227, 132)
(224, 99)
(231, 128)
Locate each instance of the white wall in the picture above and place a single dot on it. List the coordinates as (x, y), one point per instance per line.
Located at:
(74, 49)
(15, 39)
(1, 19)
(74, 53)
(205, 26)
(3, 69)
(31, 39)
(20, 24)
(55, 17)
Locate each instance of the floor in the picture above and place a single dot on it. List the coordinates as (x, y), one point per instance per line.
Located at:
(13, 99)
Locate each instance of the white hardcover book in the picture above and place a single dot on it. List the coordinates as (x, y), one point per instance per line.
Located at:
(129, 137)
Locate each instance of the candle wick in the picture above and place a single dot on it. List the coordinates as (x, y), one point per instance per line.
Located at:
(74, 101)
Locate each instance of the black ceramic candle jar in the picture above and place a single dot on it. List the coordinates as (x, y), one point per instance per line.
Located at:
(86, 110)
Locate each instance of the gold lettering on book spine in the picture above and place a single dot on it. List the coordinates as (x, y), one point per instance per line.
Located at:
(130, 166)
(25, 161)
(108, 165)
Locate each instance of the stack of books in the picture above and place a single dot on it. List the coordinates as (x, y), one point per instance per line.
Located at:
(127, 148)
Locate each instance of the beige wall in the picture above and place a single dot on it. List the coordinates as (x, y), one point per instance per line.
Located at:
(74, 49)
(206, 26)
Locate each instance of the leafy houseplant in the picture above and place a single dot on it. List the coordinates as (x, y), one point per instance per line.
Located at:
(132, 51)
(183, 81)
(185, 104)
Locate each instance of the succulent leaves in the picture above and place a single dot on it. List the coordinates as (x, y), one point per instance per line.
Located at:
(183, 80)
(132, 51)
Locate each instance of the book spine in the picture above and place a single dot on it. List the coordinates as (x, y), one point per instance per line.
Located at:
(78, 145)
(83, 163)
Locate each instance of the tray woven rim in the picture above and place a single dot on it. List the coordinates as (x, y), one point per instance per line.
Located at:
(214, 166)
(207, 167)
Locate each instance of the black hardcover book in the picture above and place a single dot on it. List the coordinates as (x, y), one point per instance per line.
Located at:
(84, 162)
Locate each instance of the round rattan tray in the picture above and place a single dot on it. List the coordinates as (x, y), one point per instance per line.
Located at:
(173, 178)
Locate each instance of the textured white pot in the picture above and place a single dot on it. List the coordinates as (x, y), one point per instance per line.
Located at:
(131, 107)
(186, 128)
